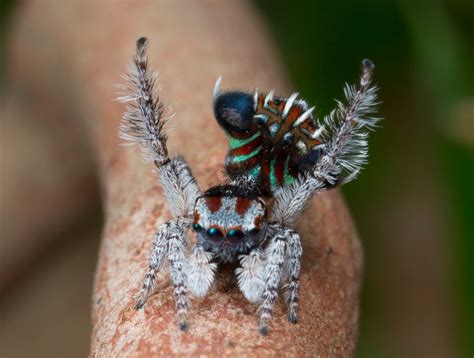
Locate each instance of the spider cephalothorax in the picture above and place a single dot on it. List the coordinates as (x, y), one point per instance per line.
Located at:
(279, 156)
(229, 221)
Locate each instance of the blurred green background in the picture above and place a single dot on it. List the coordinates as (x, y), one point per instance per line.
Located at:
(413, 205)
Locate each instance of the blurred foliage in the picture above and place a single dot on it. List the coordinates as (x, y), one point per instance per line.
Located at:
(5, 10)
(424, 64)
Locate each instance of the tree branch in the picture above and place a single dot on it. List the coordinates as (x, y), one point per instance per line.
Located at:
(192, 44)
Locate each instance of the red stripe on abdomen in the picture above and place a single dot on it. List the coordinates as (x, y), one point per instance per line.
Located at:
(247, 148)
(279, 167)
(294, 113)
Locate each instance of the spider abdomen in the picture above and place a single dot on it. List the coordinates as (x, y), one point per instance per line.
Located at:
(272, 139)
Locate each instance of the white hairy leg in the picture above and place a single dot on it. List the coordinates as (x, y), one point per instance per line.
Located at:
(179, 186)
(275, 255)
(200, 271)
(144, 124)
(251, 275)
(178, 269)
(157, 256)
(170, 241)
(344, 152)
(293, 254)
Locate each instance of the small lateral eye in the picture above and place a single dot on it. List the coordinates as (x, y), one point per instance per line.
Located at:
(254, 231)
(214, 233)
(235, 234)
(197, 227)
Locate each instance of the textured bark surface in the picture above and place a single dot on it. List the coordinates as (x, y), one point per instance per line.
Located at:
(191, 45)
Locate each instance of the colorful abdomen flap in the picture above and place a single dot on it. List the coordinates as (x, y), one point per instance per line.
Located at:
(273, 139)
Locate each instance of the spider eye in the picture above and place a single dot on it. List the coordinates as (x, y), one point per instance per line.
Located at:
(197, 227)
(214, 233)
(235, 234)
(254, 231)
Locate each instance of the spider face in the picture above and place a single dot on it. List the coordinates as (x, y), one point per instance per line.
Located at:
(229, 223)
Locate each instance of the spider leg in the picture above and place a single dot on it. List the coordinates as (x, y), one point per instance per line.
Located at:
(251, 275)
(179, 186)
(177, 261)
(200, 271)
(144, 124)
(156, 262)
(275, 253)
(169, 241)
(344, 151)
(294, 253)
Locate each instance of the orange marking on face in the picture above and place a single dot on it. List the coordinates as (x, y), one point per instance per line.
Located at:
(213, 203)
(242, 205)
(197, 216)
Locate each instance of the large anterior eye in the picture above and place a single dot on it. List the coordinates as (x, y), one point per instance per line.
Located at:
(215, 234)
(235, 234)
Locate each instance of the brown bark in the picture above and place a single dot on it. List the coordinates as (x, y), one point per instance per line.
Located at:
(191, 44)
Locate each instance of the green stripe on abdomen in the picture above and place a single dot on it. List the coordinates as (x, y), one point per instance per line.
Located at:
(242, 158)
(236, 143)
